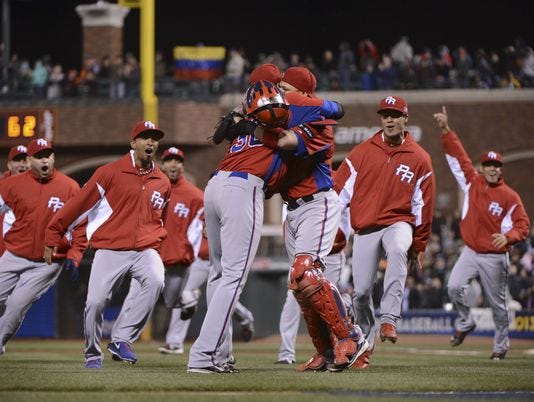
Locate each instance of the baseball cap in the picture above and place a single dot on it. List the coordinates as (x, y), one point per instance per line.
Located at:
(491, 156)
(301, 78)
(146, 126)
(38, 145)
(266, 72)
(173, 152)
(394, 103)
(16, 151)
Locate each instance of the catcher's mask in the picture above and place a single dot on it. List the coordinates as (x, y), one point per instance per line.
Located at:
(265, 102)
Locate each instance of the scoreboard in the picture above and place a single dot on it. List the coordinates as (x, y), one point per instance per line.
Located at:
(20, 125)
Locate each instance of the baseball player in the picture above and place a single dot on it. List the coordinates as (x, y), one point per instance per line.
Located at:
(389, 183)
(313, 218)
(32, 199)
(17, 162)
(233, 202)
(124, 204)
(493, 218)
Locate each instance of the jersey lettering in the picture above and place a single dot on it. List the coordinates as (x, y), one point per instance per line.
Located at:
(55, 203)
(495, 208)
(181, 210)
(405, 173)
(157, 200)
(244, 141)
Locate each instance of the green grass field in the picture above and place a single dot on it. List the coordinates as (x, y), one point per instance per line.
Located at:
(416, 368)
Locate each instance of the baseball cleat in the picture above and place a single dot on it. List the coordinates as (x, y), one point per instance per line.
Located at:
(498, 355)
(345, 357)
(93, 363)
(318, 362)
(459, 336)
(171, 350)
(122, 351)
(388, 332)
(219, 369)
(285, 361)
(247, 330)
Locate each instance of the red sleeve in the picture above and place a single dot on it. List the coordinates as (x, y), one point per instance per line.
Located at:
(74, 210)
(314, 138)
(454, 149)
(521, 224)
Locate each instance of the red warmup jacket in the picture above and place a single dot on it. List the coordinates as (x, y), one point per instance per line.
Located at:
(124, 209)
(30, 205)
(385, 184)
(487, 209)
(184, 223)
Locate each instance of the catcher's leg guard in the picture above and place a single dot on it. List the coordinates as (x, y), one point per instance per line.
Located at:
(308, 281)
(321, 337)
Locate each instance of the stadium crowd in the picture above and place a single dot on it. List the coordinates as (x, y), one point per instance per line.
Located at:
(350, 67)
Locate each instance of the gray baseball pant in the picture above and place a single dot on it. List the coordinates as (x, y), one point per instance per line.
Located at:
(393, 242)
(492, 271)
(233, 208)
(22, 282)
(108, 271)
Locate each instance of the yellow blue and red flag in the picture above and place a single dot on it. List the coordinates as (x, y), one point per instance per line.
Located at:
(198, 62)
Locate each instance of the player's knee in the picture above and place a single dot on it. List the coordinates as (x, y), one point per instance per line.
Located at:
(301, 264)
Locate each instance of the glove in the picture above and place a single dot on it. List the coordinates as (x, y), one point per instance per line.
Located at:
(70, 265)
(243, 127)
(222, 129)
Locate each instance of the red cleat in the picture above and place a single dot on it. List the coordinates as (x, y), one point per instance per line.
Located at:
(388, 333)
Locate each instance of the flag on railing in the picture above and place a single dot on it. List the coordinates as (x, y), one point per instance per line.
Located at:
(198, 62)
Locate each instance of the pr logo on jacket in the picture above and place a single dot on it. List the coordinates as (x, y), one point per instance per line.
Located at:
(495, 208)
(181, 210)
(55, 203)
(157, 200)
(405, 173)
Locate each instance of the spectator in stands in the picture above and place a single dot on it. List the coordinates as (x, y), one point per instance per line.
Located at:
(327, 75)
(39, 79)
(442, 66)
(463, 64)
(235, 67)
(55, 82)
(346, 66)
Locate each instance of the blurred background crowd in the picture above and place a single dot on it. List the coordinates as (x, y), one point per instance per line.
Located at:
(347, 67)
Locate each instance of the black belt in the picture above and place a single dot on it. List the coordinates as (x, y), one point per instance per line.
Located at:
(294, 204)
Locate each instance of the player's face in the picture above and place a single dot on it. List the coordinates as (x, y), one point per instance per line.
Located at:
(18, 165)
(145, 146)
(284, 86)
(492, 172)
(173, 168)
(394, 125)
(42, 163)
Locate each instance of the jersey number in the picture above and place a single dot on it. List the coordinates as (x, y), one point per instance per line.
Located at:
(244, 141)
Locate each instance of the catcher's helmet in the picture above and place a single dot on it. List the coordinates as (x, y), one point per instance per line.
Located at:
(266, 103)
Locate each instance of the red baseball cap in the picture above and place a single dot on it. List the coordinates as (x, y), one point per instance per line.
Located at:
(491, 156)
(146, 126)
(38, 145)
(265, 72)
(16, 151)
(173, 152)
(301, 78)
(394, 103)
